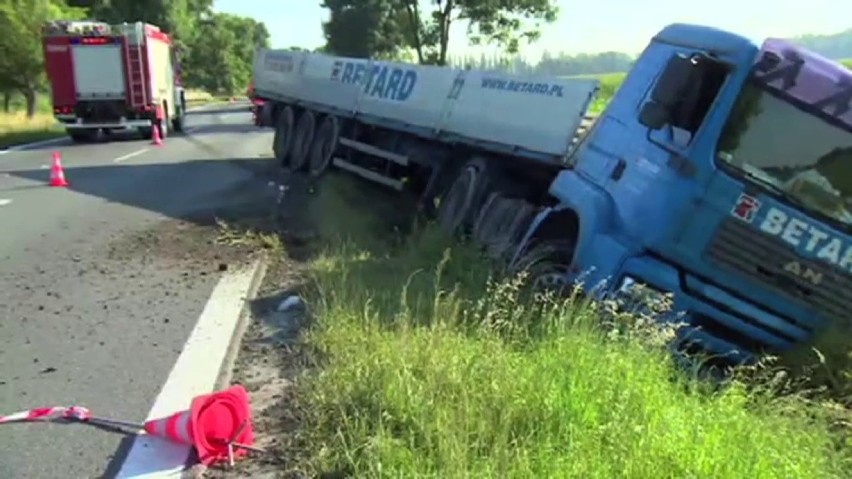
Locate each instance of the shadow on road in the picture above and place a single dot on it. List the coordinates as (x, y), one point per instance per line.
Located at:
(219, 128)
(220, 111)
(181, 190)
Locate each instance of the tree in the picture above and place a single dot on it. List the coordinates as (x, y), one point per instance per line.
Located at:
(21, 57)
(179, 18)
(387, 27)
(222, 59)
(363, 28)
(216, 50)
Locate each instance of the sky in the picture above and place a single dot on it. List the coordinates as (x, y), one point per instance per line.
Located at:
(628, 27)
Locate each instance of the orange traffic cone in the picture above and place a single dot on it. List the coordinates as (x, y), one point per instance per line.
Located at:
(218, 425)
(155, 135)
(57, 174)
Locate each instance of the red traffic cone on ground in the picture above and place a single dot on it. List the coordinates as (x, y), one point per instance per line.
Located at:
(218, 425)
(57, 174)
(156, 140)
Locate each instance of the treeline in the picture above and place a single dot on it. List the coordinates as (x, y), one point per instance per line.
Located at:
(556, 65)
(412, 30)
(836, 46)
(216, 49)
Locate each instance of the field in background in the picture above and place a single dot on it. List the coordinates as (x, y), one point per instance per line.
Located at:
(17, 129)
(425, 368)
(609, 84)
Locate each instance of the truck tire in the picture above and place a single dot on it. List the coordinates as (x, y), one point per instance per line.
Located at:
(302, 139)
(323, 146)
(163, 125)
(282, 142)
(462, 200)
(179, 120)
(547, 264)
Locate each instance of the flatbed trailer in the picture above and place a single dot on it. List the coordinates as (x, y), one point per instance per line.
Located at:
(715, 176)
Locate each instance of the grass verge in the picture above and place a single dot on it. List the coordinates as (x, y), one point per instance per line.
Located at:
(427, 368)
(17, 129)
(195, 98)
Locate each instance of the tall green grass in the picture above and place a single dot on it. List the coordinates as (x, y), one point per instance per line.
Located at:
(428, 368)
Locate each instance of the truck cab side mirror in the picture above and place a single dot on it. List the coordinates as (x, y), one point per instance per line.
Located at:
(654, 115)
(680, 74)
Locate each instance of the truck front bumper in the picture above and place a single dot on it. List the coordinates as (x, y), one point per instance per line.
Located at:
(78, 124)
(727, 327)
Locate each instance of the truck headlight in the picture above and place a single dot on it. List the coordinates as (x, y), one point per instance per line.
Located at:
(635, 296)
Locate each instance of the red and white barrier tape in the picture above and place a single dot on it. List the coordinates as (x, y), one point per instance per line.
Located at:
(77, 413)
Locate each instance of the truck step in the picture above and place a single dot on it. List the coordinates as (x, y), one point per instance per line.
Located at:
(367, 174)
(372, 150)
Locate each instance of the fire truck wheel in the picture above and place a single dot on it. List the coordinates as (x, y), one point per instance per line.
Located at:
(322, 149)
(177, 122)
(163, 125)
(283, 139)
(302, 140)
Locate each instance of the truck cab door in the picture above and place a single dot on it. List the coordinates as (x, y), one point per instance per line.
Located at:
(676, 114)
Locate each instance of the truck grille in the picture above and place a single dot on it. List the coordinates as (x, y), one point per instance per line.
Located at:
(763, 257)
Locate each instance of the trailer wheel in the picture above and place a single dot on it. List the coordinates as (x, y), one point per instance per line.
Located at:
(547, 265)
(283, 139)
(456, 206)
(302, 140)
(324, 145)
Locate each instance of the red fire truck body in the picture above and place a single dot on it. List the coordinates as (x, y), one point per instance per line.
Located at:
(112, 77)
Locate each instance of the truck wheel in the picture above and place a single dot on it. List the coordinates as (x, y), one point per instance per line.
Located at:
(324, 145)
(460, 202)
(302, 139)
(547, 264)
(265, 115)
(163, 126)
(178, 121)
(283, 139)
(146, 132)
(501, 222)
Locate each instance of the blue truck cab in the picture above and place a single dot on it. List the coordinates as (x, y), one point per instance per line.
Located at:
(721, 173)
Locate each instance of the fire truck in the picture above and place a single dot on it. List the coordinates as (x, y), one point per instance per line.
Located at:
(106, 78)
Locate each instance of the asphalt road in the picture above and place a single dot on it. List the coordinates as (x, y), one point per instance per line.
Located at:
(79, 326)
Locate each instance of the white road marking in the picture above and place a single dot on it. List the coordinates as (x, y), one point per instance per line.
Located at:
(195, 373)
(5, 201)
(129, 155)
(31, 145)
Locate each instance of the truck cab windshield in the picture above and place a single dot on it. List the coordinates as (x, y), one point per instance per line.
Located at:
(791, 153)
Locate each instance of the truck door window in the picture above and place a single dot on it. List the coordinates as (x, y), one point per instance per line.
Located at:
(690, 112)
